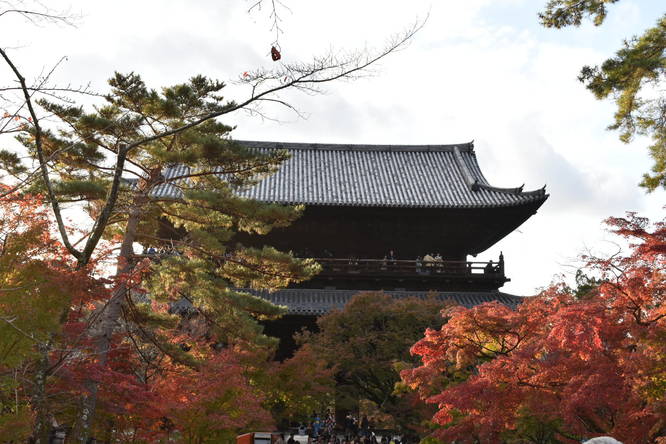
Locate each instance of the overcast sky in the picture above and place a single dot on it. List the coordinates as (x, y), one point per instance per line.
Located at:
(481, 70)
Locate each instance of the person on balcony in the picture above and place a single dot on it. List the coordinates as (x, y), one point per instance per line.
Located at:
(439, 263)
(429, 260)
(391, 257)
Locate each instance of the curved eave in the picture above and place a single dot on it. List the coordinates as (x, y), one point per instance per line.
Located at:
(318, 302)
(469, 169)
(538, 197)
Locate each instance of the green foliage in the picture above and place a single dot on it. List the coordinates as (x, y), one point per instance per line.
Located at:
(297, 387)
(561, 13)
(231, 314)
(11, 162)
(368, 344)
(586, 286)
(16, 423)
(77, 189)
(634, 78)
(200, 218)
(430, 440)
(532, 429)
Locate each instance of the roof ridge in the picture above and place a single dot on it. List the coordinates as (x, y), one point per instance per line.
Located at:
(464, 147)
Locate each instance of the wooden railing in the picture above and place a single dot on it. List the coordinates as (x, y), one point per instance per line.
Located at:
(409, 267)
(354, 266)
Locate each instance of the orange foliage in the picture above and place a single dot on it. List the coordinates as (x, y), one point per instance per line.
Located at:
(572, 366)
(216, 402)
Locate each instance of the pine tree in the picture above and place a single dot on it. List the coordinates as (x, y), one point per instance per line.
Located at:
(203, 211)
(634, 78)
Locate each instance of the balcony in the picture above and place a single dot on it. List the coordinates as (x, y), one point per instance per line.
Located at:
(410, 274)
(384, 267)
(369, 274)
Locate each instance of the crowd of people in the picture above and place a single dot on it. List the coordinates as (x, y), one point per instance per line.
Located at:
(164, 250)
(323, 429)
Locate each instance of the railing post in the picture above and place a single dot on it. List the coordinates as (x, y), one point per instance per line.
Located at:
(501, 263)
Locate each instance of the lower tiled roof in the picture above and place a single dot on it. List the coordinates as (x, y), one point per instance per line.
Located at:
(300, 301)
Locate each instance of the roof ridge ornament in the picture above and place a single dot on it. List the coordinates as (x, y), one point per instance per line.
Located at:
(513, 190)
(517, 191)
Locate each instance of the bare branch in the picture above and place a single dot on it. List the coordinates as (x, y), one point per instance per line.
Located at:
(304, 76)
(36, 17)
(10, 322)
(273, 16)
(42, 161)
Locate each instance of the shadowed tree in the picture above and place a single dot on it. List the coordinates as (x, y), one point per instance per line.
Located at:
(41, 299)
(367, 343)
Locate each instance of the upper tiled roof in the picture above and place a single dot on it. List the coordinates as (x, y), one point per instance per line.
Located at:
(320, 301)
(426, 176)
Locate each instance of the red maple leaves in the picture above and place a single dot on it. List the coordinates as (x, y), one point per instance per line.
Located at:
(567, 365)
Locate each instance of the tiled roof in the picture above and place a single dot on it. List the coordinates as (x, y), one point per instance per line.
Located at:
(425, 176)
(320, 301)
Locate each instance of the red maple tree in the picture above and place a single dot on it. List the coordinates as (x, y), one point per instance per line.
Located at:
(44, 301)
(564, 365)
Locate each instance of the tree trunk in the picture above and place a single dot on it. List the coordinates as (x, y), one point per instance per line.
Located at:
(42, 428)
(111, 313)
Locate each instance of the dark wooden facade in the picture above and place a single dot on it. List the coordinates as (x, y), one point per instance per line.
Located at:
(433, 201)
(370, 232)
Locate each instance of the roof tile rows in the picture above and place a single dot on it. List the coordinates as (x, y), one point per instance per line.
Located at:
(417, 176)
(321, 301)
